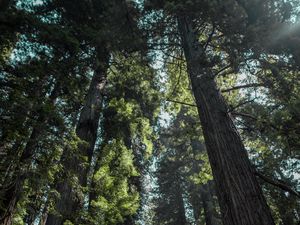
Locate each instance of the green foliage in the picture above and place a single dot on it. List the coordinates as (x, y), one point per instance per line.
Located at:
(178, 88)
(68, 222)
(127, 142)
(205, 173)
(114, 199)
(48, 53)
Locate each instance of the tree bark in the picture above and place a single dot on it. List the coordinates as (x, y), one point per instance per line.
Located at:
(240, 196)
(86, 130)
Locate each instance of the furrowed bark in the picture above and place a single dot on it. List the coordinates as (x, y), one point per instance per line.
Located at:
(240, 196)
(70, 201)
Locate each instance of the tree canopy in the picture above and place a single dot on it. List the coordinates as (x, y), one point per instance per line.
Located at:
(169, 112)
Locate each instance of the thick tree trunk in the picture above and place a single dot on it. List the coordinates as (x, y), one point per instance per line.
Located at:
(71, 200)
(240, 196)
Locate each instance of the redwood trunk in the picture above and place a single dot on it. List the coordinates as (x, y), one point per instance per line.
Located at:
(70, 200)
(240, 196)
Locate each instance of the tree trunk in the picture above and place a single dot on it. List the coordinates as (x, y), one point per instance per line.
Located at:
(195, 194)
(181, 217)
(203, 194)
(86, 130)
(208, 206)
(44, 216)
(240, 196)
(196, 204)
(15, 190)
(32, 210)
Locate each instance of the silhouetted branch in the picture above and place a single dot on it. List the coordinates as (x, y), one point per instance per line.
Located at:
(179, 102)
(243, 86)
(278, 183)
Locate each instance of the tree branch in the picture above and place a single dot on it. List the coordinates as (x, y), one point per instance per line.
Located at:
(243, 115)
(179, 102)
(278, 183)
(218, 73)
(234, 113)
(209, 39)
(233, 108)
(243, 86)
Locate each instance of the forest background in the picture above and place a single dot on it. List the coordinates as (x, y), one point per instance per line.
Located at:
(170, 112)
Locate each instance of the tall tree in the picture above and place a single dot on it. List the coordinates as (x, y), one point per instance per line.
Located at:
(80, 102)
(87, 126)
(25, 82)
(86, 130)
(126, 143)
(241, 200)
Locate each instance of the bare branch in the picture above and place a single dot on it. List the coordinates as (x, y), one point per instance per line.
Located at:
(179, 102)
(254, 118)
(243, 86)
(220, 71)
(278, 183)
(209, 39)
(233, 108)
(243, 115)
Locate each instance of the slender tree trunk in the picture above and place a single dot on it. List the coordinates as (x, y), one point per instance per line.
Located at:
(71, 200)
(181, 217)
(15, 190)
(44, 215)
(203, 194)
(106, 136)
(196, 204)
(287, 217)
(240, 196)
(208, 206)
(133, 181)
(32, 210)
(195, 194)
